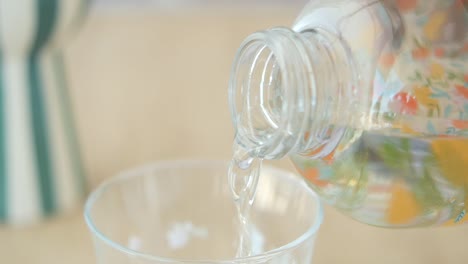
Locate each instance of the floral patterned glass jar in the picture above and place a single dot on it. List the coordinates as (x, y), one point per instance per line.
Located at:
(370, 101)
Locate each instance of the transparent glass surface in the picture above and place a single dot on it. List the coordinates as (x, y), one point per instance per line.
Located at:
(183, 212)
(369, 99)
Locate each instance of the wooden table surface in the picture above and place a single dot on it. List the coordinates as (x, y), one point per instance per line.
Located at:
(151, 85)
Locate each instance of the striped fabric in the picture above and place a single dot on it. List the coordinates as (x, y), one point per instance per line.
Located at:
(40, 167)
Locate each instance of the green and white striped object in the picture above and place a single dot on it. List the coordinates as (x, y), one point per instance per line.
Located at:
(40, 167)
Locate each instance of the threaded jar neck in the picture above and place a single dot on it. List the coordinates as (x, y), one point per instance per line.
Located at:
(283, 92)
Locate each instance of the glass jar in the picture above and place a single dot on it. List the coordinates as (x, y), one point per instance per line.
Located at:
(369, 99)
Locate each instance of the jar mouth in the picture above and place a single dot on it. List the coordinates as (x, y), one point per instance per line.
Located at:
(267, 88)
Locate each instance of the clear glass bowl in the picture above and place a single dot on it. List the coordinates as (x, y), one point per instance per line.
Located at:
(183, 212)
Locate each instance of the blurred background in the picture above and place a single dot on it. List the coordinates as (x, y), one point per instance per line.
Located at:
(148, 80)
